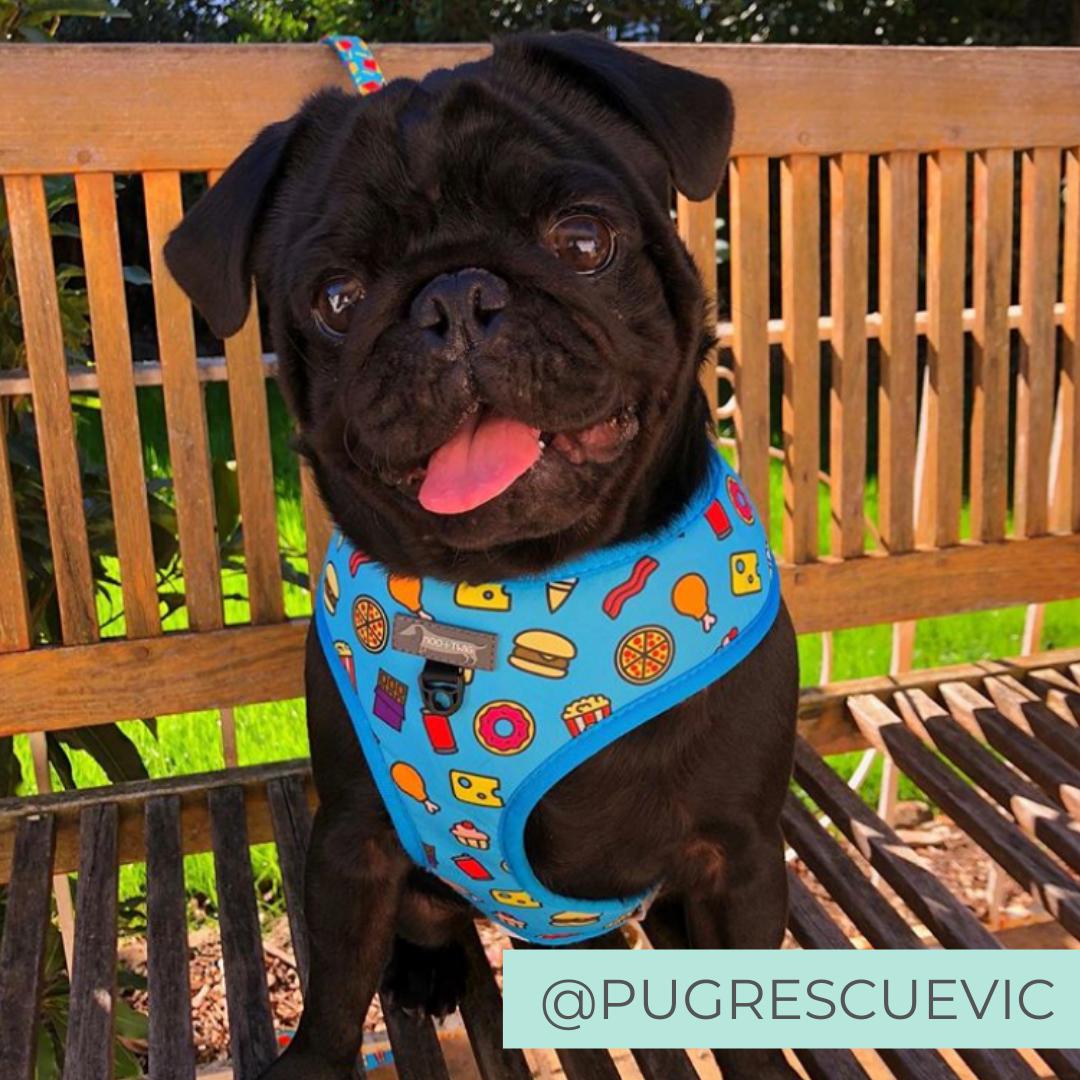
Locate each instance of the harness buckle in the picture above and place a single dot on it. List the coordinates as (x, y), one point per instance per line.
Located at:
(442, 687)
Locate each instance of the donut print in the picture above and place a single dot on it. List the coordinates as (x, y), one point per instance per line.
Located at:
(504, 727)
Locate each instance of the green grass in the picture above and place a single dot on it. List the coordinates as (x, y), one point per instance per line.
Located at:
(191, 742)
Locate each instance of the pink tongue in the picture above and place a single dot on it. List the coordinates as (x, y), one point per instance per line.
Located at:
(479, 461)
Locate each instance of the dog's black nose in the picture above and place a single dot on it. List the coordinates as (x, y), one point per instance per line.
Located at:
(460, 309)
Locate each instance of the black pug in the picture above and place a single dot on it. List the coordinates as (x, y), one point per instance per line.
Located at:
(497, 239)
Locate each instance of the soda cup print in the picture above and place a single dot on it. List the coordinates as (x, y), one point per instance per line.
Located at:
(439, 733)
(471, 867)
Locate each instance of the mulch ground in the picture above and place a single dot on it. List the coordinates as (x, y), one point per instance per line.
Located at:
(952, 856)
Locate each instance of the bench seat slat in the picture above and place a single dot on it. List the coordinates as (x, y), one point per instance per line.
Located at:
(22, 951)
(251, 1029)
(172, 1055)
(89, 1051)
(1001, 839)
(291, 816)
(417, 1054)
(1032, 810)
(883, 926)
(481, 1009)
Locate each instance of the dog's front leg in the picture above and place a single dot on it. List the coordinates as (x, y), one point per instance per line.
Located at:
(743, 906)
(355, 875)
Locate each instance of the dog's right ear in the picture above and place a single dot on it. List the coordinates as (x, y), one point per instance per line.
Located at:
(210, 251)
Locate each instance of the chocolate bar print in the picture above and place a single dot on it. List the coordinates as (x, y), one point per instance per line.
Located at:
(390, 695)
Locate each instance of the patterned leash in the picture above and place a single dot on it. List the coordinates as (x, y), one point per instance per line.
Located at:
(359, 61)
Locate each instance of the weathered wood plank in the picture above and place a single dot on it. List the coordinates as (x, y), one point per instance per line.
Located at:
(89, 1051)
(119, 410)
(28, 221)
(291, 813)
(1069, 501)
(1040, 198)
(1001, 839)
(69, 686)
(63, 687)
(898, 273)
(14, 608)
(130, 798)
(417, 1055)
(696, 223)
(254, 467)
(978, 715)
(748, 188)
(317, 524)
(788, 98)
(22, 951)
(189, 448)
(172, 1053)
(800, 274)
(848, 195)
(878, 920)
(251, 1029)
(946, 181)
(992, 289)
(1032, 810)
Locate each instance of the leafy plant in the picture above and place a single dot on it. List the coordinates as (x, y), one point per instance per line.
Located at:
(130, 1031)
(38, 20)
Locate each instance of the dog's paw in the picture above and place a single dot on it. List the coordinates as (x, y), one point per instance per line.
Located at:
(419, 979)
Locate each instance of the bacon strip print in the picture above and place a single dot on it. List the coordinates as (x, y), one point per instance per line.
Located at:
(616, 599)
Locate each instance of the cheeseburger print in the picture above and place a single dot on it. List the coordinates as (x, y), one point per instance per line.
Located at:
(581, 657)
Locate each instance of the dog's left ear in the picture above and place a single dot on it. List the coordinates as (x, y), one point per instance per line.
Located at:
(689, 117)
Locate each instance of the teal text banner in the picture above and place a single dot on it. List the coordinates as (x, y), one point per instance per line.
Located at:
(567, 998)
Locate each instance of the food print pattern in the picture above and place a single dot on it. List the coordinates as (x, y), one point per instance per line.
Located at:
(578, 657)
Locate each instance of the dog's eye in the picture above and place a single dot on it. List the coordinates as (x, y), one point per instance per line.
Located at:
(334, 302)
(584, 242)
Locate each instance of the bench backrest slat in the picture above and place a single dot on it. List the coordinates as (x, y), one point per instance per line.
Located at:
(1040, 200)
(119, 410)
(36, 275)
(189, 447)
(898, 277)
(800, 290)
(748, 187)
(992, 248)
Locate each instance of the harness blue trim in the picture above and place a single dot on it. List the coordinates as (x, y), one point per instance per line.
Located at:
(554, 668)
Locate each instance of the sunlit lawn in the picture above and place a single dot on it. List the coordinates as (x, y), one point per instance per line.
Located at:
(191, 742)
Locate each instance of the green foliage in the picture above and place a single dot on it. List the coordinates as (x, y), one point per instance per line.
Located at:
(131, 1028)
(38, 20)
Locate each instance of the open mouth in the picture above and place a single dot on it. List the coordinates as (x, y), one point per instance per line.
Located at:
(489, 452)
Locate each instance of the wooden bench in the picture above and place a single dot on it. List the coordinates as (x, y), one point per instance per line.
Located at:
(894, 140)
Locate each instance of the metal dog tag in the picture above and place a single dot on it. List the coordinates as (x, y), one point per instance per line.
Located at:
(448, 644)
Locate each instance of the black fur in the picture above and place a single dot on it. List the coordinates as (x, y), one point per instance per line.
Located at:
(468, 169)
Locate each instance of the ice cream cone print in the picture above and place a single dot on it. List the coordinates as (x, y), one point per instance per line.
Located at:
(690, 597)
(407, 592)
(558, 592)
(412, 784)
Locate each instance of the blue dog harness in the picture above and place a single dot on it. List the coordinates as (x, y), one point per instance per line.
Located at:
(472, 701)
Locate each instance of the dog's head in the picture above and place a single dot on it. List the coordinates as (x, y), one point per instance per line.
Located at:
(487, 327)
